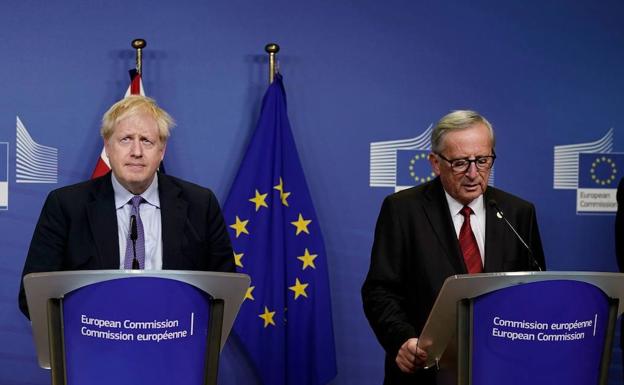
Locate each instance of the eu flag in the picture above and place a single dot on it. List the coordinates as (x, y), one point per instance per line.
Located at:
(600, 170)
(285, 321)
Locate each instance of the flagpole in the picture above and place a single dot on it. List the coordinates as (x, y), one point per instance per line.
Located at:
(139, 44)
(272, 49)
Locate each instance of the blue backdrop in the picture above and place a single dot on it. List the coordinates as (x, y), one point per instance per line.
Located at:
(545, 73)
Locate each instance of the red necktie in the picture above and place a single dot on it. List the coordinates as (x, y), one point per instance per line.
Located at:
(468, 244)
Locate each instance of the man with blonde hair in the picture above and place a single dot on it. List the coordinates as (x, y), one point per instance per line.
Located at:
(86, 226)
(441, 228)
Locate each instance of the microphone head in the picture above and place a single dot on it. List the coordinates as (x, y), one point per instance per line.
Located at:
(492, 203)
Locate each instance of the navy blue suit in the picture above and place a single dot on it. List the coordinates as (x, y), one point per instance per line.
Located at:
(77, 230)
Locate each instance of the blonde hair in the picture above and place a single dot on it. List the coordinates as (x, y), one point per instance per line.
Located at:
(132, 105)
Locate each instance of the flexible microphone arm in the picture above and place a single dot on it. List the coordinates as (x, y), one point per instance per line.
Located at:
(134, 234)
(499, 213)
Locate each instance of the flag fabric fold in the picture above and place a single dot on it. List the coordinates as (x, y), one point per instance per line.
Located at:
(135, 88)
(285, 322)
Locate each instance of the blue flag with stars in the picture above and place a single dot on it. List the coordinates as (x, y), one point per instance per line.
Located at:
(285, 322)
(600, 170)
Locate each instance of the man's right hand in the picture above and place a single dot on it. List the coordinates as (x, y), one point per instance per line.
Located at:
(410, 357)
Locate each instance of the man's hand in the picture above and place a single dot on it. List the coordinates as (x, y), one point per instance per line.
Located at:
(410, 357)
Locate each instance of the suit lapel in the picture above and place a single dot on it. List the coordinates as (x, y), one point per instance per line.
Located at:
(173, 215)
(102, 218)
(494, 235)
(439, 216)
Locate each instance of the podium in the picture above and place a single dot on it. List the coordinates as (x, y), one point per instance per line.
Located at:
(524, 327)
(132, 326)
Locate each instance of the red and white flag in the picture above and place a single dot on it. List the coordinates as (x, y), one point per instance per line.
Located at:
(135, 88)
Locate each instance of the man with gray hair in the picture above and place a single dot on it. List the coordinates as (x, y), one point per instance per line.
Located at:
(86, 226)
(441, 228)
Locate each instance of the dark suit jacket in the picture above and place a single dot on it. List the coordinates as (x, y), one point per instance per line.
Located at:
(416, 249)
(619, 227)
(77, 230)
(619, 238)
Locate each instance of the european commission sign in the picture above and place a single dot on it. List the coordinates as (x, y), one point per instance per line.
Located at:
(593, 170)
(34, 163)
(599, 174)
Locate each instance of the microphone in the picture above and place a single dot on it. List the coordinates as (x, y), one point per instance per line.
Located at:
(499, 213)
(134, 234)
(133, 228)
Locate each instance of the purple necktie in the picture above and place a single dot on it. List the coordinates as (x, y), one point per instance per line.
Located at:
(140, 241)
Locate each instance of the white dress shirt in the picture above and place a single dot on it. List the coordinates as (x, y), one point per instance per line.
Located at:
(477, 220)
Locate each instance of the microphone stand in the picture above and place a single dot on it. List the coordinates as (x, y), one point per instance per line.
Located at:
(499, 213)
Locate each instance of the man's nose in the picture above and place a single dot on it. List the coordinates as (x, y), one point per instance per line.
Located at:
(472, 171)
(136, 149)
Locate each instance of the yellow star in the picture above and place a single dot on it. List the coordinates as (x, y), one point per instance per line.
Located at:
(239, 226)
(308, 259)
(280, 186)
(283, 194)
(299, 288)
(283, 197)
(267, 316)
(259, 200)
(249, 294)
(237, 259)
(301, 224)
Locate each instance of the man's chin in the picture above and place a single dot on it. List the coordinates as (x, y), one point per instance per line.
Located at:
(135, 184)
(468, 196)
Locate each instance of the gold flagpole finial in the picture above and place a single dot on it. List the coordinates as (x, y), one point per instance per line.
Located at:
(139, 44)
(272, 49)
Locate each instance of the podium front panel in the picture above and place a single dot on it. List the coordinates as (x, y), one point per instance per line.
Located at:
(539, 333)
(143, 330)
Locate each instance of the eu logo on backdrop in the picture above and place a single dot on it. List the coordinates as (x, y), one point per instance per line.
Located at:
(413, 167)
(599, 174)
(600, 170)
(390, 161)
(35, 163)
(593, 170)
(4, 176)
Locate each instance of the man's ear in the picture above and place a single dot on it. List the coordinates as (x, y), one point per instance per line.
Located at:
(106, 143)
(162, 154)
(435, 163)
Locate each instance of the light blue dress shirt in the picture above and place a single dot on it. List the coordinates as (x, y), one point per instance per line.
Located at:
(149, 211)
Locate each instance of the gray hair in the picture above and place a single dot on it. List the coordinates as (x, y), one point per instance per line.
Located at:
(456, 120)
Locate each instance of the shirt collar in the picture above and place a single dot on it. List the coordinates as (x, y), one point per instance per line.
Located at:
(122, 196)
(454, 206)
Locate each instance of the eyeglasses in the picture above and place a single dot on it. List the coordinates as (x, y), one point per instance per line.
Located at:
(463, 164)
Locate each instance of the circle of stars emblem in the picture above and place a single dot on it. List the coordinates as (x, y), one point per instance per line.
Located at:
(417, 178)
(602, 163)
